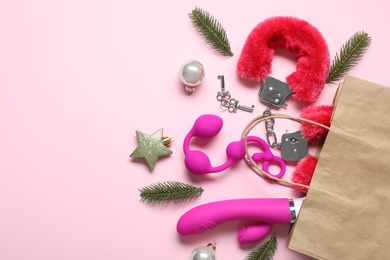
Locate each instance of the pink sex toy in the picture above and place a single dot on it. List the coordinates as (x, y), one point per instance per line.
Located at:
(267, 211)
(206, 127)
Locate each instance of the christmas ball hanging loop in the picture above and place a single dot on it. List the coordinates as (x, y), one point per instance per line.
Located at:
(191, 74)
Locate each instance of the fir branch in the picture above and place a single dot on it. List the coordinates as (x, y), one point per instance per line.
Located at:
(211, 30)
(265, 251)
(350, 53)
(169, 191)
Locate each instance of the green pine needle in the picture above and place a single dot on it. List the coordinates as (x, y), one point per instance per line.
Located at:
(169, 191)
(265, 251)
(211, 30)
(350, 53)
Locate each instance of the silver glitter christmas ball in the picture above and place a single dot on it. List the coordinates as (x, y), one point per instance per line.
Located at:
(191, 74)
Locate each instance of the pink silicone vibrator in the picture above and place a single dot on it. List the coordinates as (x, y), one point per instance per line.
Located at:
(207, 126)
(267, 211)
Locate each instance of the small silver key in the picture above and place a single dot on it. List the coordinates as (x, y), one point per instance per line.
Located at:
(223, 94)
(234, 105)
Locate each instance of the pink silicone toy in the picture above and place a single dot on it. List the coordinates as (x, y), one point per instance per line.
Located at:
(267, 211)
(207, 126)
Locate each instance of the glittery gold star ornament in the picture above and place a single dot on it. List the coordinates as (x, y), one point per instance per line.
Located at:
(151, 147)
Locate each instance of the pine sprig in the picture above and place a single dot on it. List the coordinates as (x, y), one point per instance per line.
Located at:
(350, 53)
(211, 30)
(169, 191)
(265, 251)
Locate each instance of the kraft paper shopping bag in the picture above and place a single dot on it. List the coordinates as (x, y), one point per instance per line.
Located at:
(346, 214)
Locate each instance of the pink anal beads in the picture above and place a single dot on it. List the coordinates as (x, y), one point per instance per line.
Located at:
(206, 127)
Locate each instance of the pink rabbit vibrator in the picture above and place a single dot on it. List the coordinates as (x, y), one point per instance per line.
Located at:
(267, 211)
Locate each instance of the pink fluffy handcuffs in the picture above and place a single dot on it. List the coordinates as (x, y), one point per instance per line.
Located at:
(306, 83)
(297, 36)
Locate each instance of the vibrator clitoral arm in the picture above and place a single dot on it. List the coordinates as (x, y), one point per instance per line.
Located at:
(267, 211)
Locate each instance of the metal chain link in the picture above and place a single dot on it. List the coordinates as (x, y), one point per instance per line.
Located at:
(269, 128)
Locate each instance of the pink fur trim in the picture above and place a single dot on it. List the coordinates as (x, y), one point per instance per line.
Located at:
(319, 114)
(304, 171)
(297, 36)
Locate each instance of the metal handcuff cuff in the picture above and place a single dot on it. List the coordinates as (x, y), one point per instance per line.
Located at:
(293, 146)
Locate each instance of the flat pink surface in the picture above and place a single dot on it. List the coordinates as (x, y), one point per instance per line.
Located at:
(78, 78)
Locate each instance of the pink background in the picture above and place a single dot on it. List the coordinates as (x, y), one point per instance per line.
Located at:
(78, 78)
